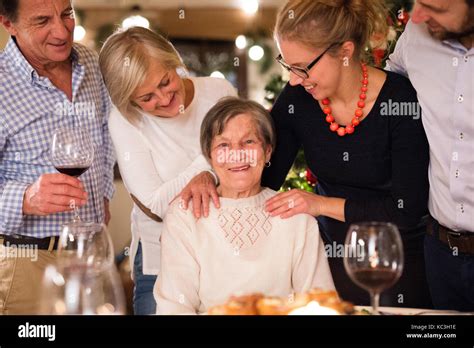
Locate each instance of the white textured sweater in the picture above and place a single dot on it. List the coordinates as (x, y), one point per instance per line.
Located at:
(238, 249)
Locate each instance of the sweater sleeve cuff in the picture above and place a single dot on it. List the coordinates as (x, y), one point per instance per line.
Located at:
(11, 207)
(216, 179)
(354, 211)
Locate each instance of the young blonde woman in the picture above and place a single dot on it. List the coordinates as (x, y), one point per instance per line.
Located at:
(155, 130)
(371, 163)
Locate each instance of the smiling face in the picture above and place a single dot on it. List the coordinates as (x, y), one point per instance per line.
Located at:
(324, 77)
(162, 94)
(238, 157)
(43, 30)
(445, 19)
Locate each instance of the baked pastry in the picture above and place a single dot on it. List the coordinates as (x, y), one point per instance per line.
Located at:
(281, 306)
(257, 304)
(331, 299)
(238, 305)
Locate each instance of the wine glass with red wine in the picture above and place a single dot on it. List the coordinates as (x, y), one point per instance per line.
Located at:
(72, 153)
(374, 257)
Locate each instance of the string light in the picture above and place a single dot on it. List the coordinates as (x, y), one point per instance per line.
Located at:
(256, 53)
(79, 33)
(241, 42)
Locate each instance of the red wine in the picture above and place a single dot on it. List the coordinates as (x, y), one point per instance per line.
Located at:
(375, 279)
(72, 171)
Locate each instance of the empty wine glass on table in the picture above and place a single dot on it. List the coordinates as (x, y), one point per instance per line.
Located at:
(86, 243)
(374, 259)
(72, 153)
(77, 289)
(84, 279)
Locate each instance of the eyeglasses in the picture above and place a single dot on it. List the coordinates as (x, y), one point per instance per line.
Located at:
(299, 71)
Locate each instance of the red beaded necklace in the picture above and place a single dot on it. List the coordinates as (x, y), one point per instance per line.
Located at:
(349, 129)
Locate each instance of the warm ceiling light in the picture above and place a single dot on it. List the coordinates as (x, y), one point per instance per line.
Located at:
(249, 6)
(135, 21)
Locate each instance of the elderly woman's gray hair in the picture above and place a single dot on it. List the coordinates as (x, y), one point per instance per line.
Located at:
(228, 108)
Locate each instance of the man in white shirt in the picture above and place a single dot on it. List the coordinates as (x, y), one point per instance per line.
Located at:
(436, 52)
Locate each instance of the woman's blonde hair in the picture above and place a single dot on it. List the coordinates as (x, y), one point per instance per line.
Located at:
(321, 23)
(125, 61)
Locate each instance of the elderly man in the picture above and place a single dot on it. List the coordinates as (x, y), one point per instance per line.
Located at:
(436, 52)
(46, 82)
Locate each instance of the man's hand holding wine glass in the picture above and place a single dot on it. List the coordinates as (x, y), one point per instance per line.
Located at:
(53, 193)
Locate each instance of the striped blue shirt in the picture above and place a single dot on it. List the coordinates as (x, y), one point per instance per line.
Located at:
(31, 109)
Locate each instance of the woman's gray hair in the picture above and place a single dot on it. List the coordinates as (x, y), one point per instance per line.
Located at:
(229, 107)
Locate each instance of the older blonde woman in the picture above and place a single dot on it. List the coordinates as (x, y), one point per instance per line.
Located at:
(155, 130)
(238, 247)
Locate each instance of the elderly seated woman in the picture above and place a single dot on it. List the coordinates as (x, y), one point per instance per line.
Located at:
(238, 248)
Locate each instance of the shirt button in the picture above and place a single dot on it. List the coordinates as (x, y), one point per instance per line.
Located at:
(466, 58)
(461, 136)
(457, 173)
(460, 98)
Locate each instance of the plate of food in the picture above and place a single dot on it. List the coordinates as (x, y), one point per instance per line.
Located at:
(313, 302)
(406, 311)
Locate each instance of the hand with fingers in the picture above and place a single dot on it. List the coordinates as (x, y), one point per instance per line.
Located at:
(290, 203)
(201, 189)
(53, 193)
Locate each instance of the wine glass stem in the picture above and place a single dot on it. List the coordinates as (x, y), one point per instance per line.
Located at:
(77, 218)
(374, 299)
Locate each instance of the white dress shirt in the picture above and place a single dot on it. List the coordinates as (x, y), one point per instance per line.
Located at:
(442, 73)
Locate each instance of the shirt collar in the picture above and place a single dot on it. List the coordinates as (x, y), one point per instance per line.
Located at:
(456, 45)
(21, 65)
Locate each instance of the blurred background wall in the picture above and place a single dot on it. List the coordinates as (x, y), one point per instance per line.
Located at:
(3, 37)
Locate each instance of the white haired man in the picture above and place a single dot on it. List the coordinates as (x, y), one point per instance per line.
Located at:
(46, 82)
